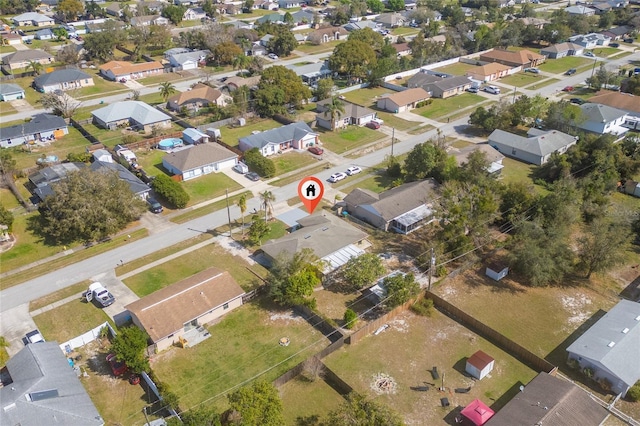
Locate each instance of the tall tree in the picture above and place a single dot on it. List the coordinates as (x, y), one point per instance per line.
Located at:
(6, 218)
(258, 404)
(283, 43)
(69, 10)
(241, 62)
(362, 270)
(174, 13)
(63, 105)
(335, 109)
(242, 205)
(324, 89)
(224, 53)
(353, 58)
(267, 198)
(602, 246)
(166, 90)
(292, 279)
(36, 66)
(400, 288)
(280, 81)
(361, 411)
(129, 346)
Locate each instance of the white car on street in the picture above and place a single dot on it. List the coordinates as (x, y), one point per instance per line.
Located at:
(353, 170)
(337, 177)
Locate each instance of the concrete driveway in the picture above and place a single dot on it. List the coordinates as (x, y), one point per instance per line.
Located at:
(14, 324)
(122, 294)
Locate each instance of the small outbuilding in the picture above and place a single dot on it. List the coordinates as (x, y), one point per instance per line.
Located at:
(102, 155)
(475, 414)
(479, 365)
(496, 271)
(194, 136)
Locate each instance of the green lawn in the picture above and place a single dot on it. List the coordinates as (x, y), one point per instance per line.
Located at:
(160, 78)
(151, 161)
(405, 31)
(366, 96)
(69, 320)
(190, 23)
(556, 66)
(605, 51)
(100, 86)
(6, 108)
(72, 142)
(209, 186)
(543, 83)
(298, 393)
(7, 49)
(185, 266)
(243, 345)
(209, 208)
(444, 107)
(522, 79)
(59, 295)
(312, 49)
(352, 137)
(459, 68)
(398, 123)
(290, 161)
(153, 98)
(231, 134)
(378, 182)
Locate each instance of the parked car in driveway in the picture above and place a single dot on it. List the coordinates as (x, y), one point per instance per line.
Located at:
(372, 125)
(253, 176)
(492, 89)
(34, 337)
(532, 70)
(353, 170)
(272, 56)
(614, 44)
(316, 150)
(589, 54)
(99, 295)
(154, 205)
(337, 177)
(571, 71)
(241, 168)
(577, 101)
(473, 89)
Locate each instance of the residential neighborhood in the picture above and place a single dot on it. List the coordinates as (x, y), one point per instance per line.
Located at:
(319, 213)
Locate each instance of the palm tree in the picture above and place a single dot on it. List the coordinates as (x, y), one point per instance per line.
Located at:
(241, 62)
(35, 66)
(167, 89)
(335, 109)
(267, 198)
(242, 205)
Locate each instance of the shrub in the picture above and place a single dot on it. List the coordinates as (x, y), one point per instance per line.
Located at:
(350, 318)
(259, 163)
(573, 363)
(633, 394)
(171, 191)
(605, 384)
(423, 307)
(588, 372)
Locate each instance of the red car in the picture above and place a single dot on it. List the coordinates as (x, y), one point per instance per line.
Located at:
(316, 150)
(373, 125)
(117, 367)
(568, 89)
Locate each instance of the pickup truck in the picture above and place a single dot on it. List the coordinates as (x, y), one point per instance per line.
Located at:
(100, 295)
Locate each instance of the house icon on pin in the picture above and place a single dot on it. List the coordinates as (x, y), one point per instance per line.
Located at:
(311, 190)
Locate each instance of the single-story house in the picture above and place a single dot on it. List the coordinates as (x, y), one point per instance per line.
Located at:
(272, 17)
(11, 39)
(41, 387)
(136, 186)
(175, 50)
(115, 9)
(33, 18)
(289, 4)
(402, 49)
(610, 347)
(496, 271)
(199, 96)
(118, 70)
(198, 160)
(333, 240)
(234, 83)
(325, 35)
(619, 100)
(602, 119)
(492, 155)
(547, 398)
(42, 127)
(44, 34)
(302, 17)
(476, 414)
(264, 41)
(135, 114)
(189, 60)
(580, 11)
(22, 58)
(40, 181)
(617, 33)
(143, 21)
(194, 14)
(391, 20)
(488, 72)
(591, 40)
(194, 136)
(402, 209)
(353, 114)
(295, 135)
(560, 50)
(440, 87)
(171, 312)
(536, 148)
(360, 25)
(265, 4)
(65, 79)
(11, 92)
(538, 23)
(402, 101)
(479, 365)
(522, 58)
(311, 73)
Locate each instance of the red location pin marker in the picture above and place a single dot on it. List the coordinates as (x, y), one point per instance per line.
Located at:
(310, 191)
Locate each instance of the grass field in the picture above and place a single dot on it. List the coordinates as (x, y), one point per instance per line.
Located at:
(208, 187)
(312, 49)
(290, 161)
(160, 78)
(6, 108)
(522, 79)
(69, 320)
(518, 171)
(377, 183)
(556, 66)
(444, 107)
(244, 344)
(184, 266)
(413, 345)
(605, 51)
(543, 83)
(59, 295)
(405, 31)
(74, 142)
(230, 135)
(352, 137)
(209, 208)
(366, 97)
(297, 393)
(100, 87)
(459, 68)
(398, 123)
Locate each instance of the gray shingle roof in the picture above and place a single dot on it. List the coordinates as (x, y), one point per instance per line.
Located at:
(61, 76)
(135, 110)
(290, 132)
(32, 16)
(26, 56)
(135, 185)
(198, 156)
(540, 143)
(39, 123)
(620, 358)
(600, 113)
(181, 58)
(43, 367)
(350, 109)
(10, 89)
(422, 79)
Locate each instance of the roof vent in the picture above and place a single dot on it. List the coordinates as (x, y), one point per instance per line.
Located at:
(625, 330)
(40, 395)
(611, 344)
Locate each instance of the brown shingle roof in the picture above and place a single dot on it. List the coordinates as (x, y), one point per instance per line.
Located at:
(241, 81)
(167, 310)
(625, 101)
(409, 96)
(521, 57)
(198, 156)
(488, 69)
(123, 67)
(480, 360)
(199, 91)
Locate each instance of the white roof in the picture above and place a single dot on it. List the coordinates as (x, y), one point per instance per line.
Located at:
(135, 110)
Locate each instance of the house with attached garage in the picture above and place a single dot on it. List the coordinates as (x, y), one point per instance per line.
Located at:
(295, 135)
(123, 70)
(610, 348)
(133, 114)
(438, 86)
(601, 119)
(489, 72)
(178, 313)
(44, 34)
(189, 60)
(66, 79)
(311, 73)
(33, 18)
(22, 58)
(198, 160)
(199, 96)
(391, 20)
(402, 101)
(580, 10)
(622, 101)
(535, 148)
(560, 50)
(522, 58)
(194, 14)
(11, 92)
(354, 114)
(325, 35)
(402, 209)
(333, 240)
(40, 387)
(590, 41)
(145, 21)
(41, 128)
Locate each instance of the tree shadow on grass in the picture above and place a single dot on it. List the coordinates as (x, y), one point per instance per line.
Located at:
(477, 279)
(35, 226)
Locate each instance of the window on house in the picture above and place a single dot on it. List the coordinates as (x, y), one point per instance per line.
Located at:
(225, 306)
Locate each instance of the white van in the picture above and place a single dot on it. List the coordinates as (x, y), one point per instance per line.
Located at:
(241, 168)
(492, 89)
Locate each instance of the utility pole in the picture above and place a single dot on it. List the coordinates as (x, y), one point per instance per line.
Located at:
(226, 191)
(432, 264)
(515, 90)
